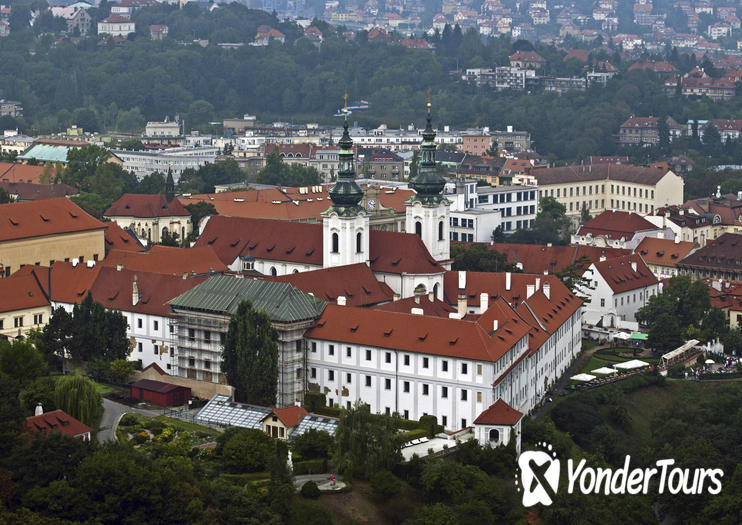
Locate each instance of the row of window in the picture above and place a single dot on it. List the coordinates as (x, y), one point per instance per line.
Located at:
(465, 237)
(405, 358)
(18, 321)
(574, 191)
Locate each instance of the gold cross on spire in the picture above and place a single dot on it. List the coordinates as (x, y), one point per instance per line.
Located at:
(429, 104)
(345, 110)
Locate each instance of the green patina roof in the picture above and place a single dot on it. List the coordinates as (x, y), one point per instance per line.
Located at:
(222, 294)
(46, 153)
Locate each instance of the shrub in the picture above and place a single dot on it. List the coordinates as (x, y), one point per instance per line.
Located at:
(414, 434)
(154, 426)
(430, 424)
(140, 437)
(385, 484)
(677, 371)
(129, 420)
(406, 424)
(312, 444)
(248, 451)
(167, 434)
(314, 401)
(310, 490)
(313, 466)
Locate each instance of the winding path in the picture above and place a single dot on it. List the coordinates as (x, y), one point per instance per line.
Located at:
(112, 412)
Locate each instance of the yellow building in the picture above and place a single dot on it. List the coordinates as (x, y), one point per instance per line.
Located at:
(601, 187)
(41, 232)
(23, 305)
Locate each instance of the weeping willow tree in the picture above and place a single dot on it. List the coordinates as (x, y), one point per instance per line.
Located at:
(77, 396)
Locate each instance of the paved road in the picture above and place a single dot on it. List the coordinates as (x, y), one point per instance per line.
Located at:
(112, 412)
(322, 481)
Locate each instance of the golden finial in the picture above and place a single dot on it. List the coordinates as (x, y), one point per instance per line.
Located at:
(345, 110)
(429, 104)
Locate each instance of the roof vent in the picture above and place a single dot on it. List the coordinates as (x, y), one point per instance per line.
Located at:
(417, 311)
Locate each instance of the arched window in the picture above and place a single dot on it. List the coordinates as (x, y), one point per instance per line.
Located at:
(494, 435)
(296, 271)
(335, 243)
(440, 230)
(273, 271)
(419, 228)
(359, 243)
(435, 291)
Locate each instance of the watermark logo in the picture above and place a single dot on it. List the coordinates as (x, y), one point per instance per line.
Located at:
(539, 475)
(540, 471)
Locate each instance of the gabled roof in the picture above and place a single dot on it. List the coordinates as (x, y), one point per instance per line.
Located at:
(113, 288)
(23, 220)
(724, 252)
(221, 294)
(12, 172)
(28, 191)
(56, 421)
(419, 333)
(616, 225)
(499, 413)
(539, 258)
(289, 416)
(396, 252)
(116, 19)
(176, 261)
(355, 282)
(119, 239)
(69, 284)
(617, 172)
(19, 292)
(155, 386)
(663, 252)
(620, 275)
(146, 206)
(527, 56)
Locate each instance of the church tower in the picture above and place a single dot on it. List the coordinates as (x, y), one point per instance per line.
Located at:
(428, 210)
(345, 229)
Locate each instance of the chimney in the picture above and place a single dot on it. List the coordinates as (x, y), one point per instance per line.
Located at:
(39, 409)
(507, 281)
(454, 315)
(677, 239)
(739, 195)
(396, 297)
(547, 290)
(462, 280)
(419, 292)
(417, 299)
(134, 292)
(431, 297)
(461, 305)
(75, 262)
(529, 290)
(538, 283)
(484, 302)
(633, 265)
(341, 300)
(602, 258)
(716, 285)
(416, 311)
(495, 325)
(546, 272)
(185, 275)
(119, 267)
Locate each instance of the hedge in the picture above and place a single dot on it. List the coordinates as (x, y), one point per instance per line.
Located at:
(328, 411)
(415, 434)
(316, 466)
(241, 479)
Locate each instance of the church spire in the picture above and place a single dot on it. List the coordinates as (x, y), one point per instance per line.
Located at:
(428, 183)
(346, 194)
(169, 185)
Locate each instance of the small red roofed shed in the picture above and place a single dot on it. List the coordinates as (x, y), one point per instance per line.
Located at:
(498, 425)
(159, 393)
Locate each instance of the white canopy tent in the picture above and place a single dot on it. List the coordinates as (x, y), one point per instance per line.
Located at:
(710, 361)
(604, 371)
(631, 365)
(582, 377)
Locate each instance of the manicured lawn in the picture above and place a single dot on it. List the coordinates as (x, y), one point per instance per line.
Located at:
(103, 388)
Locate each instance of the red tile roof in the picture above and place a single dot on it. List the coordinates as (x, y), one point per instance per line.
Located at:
(390, 252)
(500, 413)
(290, 416)
(538, 258)
(69, 284)
(595, 172)
(419, 333)
(56, 421)
(579, 54)
(116, 19)
(23, 220)
(113, 289)
(28, 191)
(356, 282)
(435, 308)
(19, 292)
(199, 259)
(146, 206)
(118, 239)
(621, 276)
(616, 225)
(12, 172)
(527, 56)
(155, 386)
(663, 252)
(723, 253)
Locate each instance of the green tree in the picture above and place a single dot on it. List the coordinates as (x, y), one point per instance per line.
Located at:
(121, 370)
(366, 443)
(550, 226)
(666, 333)
(153, 183)
(312, 444)
(248, 450)
(585, 215)
(576, 277)
(21, 361)
(4, 197)
(733, 341)
(250, 356)
(480, 258)
(414, 164)
(385, 484)
(77, 396)
(82, 163)
(198, 211)
(132, 145)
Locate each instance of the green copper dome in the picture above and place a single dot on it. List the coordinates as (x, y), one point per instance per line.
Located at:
(346, 194)
(428, 183)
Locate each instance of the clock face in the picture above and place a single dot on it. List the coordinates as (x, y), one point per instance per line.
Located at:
(372, 204)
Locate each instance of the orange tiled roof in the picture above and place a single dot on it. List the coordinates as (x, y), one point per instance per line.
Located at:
(19, 292)
(146, 206)
(22, 220)
(12, 172)
(290, 416)
(177, 261)
(499, 413)
(118, 239)
(663, 252)
(56, 421)
(620, 275)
